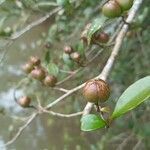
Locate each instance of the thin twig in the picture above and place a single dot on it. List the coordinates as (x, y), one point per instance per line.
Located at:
(16, 35)
(21, 129)
(68, 77)
(137, 145)
(61, 89)
(35, 23)
(63, 115)
(124, 143)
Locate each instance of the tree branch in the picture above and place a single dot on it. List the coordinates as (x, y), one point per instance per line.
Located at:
(107, 68)
(35, 23)
(119, 40)
(63, 115)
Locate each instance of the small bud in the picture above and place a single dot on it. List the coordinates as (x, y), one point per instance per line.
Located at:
(24, 101)
(102, 37)
(28, 67)
(35, 60)
(38, 73)
(68, 49)
(75, 56)
(50, 80)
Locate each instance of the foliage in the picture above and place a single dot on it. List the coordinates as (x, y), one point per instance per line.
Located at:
(134, 95)
(47, 41)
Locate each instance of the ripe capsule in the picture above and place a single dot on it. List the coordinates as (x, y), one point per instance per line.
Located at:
(75, 56)
(102, 37)
(24, 101)
(111, 9)
(50, 80)
(38, 73)
(96, 90)
(35, 60)
(125, 4)
(28, 67)
(68, 49)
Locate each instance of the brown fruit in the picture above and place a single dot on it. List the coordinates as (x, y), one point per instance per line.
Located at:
(35, 60)
(50, 80)
(102, 37)
(38, 73)
(68, 49)
(75, 56)
(96, 90)
(24, 101)
(111, 9)
(125, 4)
(28, 67)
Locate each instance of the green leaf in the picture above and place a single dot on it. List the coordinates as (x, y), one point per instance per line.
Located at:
(53, 69)
(67, 60)
(47, 57)
(92, 122)
(62, 2)
(96, 25)
(81, 48)
(132, 97)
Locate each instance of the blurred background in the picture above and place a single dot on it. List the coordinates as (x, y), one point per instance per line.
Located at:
(47, 40)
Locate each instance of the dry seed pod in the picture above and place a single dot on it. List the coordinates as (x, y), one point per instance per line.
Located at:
(102, 37)
(38, 73)
(96, 91)
(68, 49)
(24, 101)
(50, 80)
(35, 60)
(75, 56)
(28, 67)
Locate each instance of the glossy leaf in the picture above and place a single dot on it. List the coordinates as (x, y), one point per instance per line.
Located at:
(96, 25)
(92, 122)
(132, 97)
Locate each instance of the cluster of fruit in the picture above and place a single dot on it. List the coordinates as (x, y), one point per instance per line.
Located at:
(115, 8)
(34, 68)
(75, 56)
